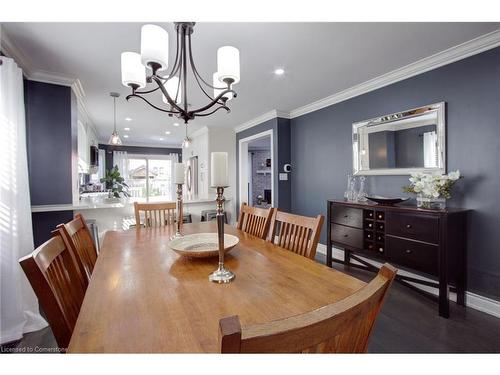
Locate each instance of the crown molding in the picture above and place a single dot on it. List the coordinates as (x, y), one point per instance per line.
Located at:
(448, 56)
(453, 54)
(11, 50)
(262, 118)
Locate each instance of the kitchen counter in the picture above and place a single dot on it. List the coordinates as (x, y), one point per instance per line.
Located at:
(118, 213)
(99, 203)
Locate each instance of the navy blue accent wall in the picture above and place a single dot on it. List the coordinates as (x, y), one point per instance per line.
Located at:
(45, 222)
(321, 152)
(281, 156)
(284, 157)
(49, 142)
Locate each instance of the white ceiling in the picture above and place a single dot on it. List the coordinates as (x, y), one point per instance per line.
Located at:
(319, 59)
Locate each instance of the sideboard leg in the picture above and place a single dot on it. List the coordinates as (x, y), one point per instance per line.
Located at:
(347, 257)
(444, 302)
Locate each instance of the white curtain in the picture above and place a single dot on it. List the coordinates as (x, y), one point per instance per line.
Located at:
(430, 150)
(18, 304)
(120, 159)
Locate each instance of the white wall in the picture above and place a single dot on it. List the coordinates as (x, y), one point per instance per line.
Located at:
(199, 147)
(205, 141)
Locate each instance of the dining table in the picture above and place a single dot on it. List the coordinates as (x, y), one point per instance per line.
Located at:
(145, 298)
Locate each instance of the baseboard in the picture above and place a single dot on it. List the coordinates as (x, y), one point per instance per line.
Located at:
(474, 301)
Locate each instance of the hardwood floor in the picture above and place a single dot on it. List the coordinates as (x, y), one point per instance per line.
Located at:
(408, 323)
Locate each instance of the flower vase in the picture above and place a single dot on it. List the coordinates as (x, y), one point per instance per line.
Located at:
(431, 203)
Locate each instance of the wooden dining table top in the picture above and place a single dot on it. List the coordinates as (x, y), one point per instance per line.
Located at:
(145, 298)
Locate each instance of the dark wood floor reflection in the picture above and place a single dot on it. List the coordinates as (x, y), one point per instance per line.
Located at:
(408, 323)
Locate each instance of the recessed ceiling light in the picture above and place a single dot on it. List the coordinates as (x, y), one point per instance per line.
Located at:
(128, 119)
(167, 132)
(126, 129)
(161, 139)
(279, 71)
(176, 124)
(125, 136)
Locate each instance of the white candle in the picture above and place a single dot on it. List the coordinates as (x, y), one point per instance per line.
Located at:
(178, 173)
(219, 166)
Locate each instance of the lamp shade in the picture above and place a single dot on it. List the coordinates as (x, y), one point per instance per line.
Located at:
(171, 86)
(133, 72)
(217, 83)
(228, 63)
(154, 46)
(219, 169)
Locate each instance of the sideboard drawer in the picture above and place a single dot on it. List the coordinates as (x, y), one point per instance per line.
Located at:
(419, 227)
(348, 236)
(417, 255)
(347, 216)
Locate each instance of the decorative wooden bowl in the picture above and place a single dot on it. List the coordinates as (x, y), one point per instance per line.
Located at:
(202, 245)
(384, 201)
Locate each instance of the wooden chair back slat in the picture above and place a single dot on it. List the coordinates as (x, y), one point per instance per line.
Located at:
(341, 327)
(78, 240)
(54, 277)
(254, 221)
(155, 214)
(296, 233)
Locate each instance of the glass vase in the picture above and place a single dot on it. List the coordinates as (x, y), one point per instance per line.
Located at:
(431, 203)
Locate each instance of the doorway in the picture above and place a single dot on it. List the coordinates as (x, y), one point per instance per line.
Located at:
(256, 175)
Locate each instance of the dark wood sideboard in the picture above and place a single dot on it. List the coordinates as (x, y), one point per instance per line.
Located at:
(431, 243)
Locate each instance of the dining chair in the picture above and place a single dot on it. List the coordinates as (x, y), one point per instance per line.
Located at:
(155, 214)
(254, 220)
(296, 233)
(55, 279)
(78, 240)
(341, 327)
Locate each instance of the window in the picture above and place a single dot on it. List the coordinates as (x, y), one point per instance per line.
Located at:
(150, 178)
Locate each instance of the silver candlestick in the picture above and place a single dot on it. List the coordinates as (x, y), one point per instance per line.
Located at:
(222, 275)
(180, 217)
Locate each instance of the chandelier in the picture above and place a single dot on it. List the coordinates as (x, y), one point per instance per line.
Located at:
(149, 67)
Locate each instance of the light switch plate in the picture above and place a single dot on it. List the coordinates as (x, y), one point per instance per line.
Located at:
(283, 176)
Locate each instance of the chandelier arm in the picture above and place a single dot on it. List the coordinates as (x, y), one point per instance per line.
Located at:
(195, 71)
(215, 110)
(165, 92)
(183, 73)
(174, 69)
(151, 104)
(146, 92)
(215, 101)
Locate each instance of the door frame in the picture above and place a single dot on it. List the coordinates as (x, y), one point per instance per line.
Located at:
(243, 166)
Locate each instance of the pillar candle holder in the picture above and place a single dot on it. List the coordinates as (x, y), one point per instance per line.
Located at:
(222, 275)
(180, 216)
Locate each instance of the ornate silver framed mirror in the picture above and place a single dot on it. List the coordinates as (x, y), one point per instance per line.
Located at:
(401, 143)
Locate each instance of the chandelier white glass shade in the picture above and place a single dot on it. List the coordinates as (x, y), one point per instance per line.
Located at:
(228, 64)
(114, 139)
(173, 86)
(154, 46)
(133, 72)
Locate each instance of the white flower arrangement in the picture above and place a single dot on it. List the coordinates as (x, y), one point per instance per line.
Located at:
(432, 186)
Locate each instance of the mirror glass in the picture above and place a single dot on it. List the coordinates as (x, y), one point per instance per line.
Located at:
(401, 143)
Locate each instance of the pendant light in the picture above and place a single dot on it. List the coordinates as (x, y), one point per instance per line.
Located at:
(115, 138)
(186, 141)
